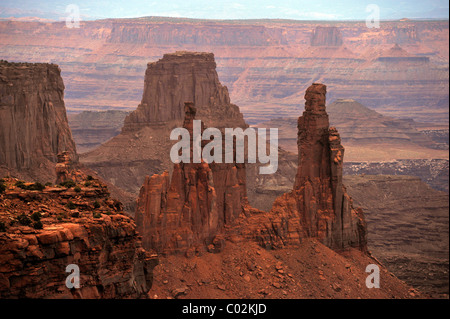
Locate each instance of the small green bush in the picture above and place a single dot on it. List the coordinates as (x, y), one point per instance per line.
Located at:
(36, 216)
(87, 184)
(38, 225)
(96, 204)
(97, 214)
(2, 227)
(49, 184)
(89, 178)
(24, 219)
(69, 183)
(77, 189)
(71, 205)
(20, 184)
(35, 187)
(2, 188)
(75, 214)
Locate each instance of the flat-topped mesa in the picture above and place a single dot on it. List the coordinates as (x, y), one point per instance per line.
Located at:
(179, 77)
(326, 36)
(33, 120)
(318, 206)
(189, 211)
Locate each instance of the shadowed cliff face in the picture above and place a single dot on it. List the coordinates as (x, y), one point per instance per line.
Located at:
(34, 126)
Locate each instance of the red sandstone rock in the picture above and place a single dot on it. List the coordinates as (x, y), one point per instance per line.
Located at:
(190, 210)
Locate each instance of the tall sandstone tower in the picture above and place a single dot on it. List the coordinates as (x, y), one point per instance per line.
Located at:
(318, 205)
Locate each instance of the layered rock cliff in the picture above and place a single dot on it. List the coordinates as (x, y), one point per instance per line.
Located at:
(190, 209)
(34, 128)
(45, 229)
(318, 206)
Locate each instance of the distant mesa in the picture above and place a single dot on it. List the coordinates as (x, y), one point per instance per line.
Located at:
(326, 36)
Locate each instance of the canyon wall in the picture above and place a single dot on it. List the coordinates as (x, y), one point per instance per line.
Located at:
(34, 128)
(264, 63)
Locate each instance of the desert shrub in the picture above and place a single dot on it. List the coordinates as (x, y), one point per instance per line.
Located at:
(38, 225)
(2, 188)
(69, 183)
(71, 205)
(20, 184)
(97, 214)
(75, 214)
(49, 184)
(24, 219)
(35, 187)
(89, 178)
(77, 189)
(96, 204)
(87, 184)
(61, 216)
(36, 216)
(2, 227)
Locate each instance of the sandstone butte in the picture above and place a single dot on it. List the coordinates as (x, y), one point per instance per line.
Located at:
(34, 128)
(184, 214)
(143, 146)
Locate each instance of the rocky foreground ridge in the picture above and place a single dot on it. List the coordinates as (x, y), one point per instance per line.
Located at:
(43, 229)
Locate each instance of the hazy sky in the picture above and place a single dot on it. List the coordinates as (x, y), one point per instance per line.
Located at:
(229, 9)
